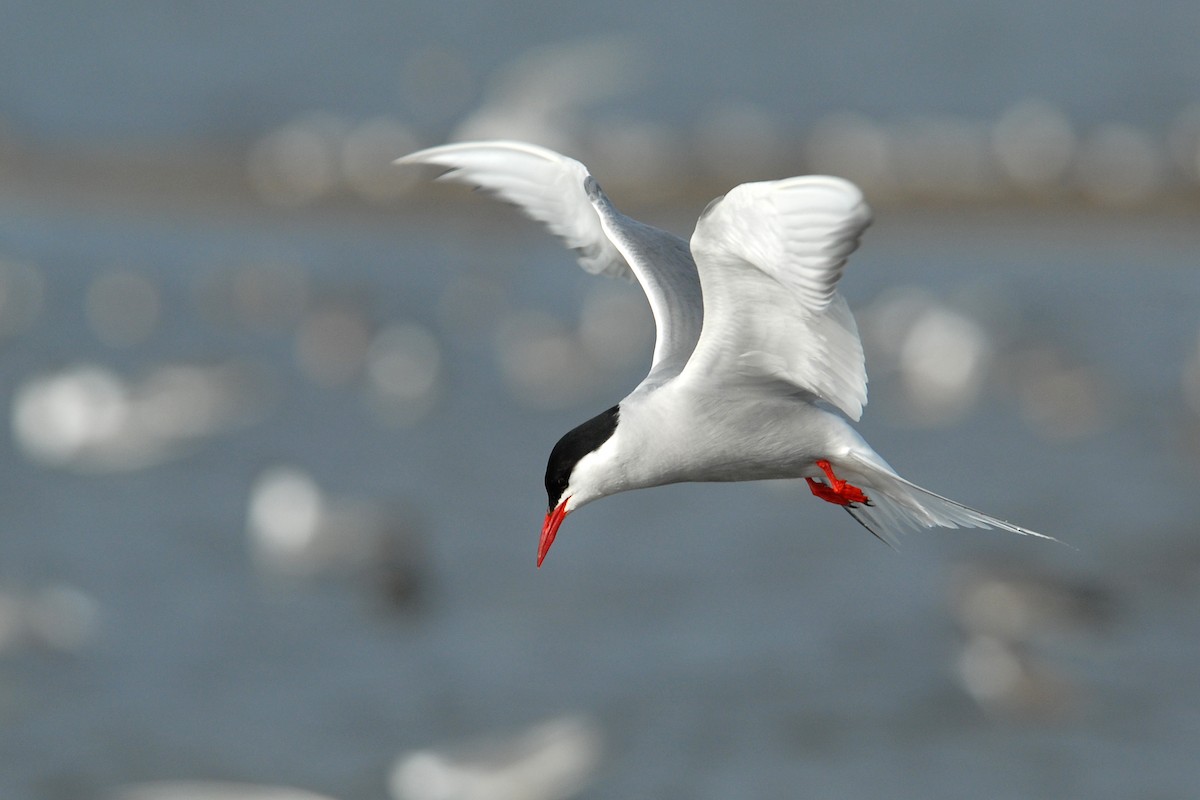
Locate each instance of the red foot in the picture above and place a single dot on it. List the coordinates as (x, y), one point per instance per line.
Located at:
(838, 491)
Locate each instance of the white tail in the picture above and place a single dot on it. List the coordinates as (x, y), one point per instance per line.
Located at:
(898, 505)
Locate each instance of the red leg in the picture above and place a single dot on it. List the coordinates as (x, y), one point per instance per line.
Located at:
(838, 491)
(826, 493)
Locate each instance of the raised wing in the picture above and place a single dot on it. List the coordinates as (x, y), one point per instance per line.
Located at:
(545, 185)
(559, 192)
(664, 267)
(769, 257)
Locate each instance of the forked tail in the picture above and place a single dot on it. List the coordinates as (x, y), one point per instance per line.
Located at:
(898, 505)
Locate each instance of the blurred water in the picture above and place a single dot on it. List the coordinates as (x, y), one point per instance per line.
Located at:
(737, 640)
(225, 70)
(272, 471)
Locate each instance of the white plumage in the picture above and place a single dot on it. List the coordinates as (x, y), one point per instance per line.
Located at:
(756, 351)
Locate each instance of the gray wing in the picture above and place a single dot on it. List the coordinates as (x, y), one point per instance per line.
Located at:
(560, 193)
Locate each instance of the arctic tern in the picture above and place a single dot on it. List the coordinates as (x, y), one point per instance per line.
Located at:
(757, 371)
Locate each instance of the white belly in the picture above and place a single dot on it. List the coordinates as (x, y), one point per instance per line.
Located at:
(711, 438)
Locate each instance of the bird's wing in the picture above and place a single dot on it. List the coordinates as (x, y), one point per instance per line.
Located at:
(769, 257)
(543, 184)
(559, 192)
(664, 267)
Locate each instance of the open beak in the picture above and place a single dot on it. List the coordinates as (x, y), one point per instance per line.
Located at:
(550, 529)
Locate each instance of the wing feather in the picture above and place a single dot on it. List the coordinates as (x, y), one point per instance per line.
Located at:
(546, 186)
(770, 256)
(560, 193)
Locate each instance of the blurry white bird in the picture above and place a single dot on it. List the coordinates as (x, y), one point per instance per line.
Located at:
(552, 760)
(757, 365)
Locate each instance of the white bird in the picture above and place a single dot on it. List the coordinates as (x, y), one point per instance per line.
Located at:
(757, 370)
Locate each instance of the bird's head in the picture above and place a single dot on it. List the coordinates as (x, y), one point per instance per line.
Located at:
(578, 472)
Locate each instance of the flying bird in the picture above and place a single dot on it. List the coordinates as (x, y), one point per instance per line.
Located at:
(757, 371)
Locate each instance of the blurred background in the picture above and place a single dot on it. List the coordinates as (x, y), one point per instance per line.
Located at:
(276, 413)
